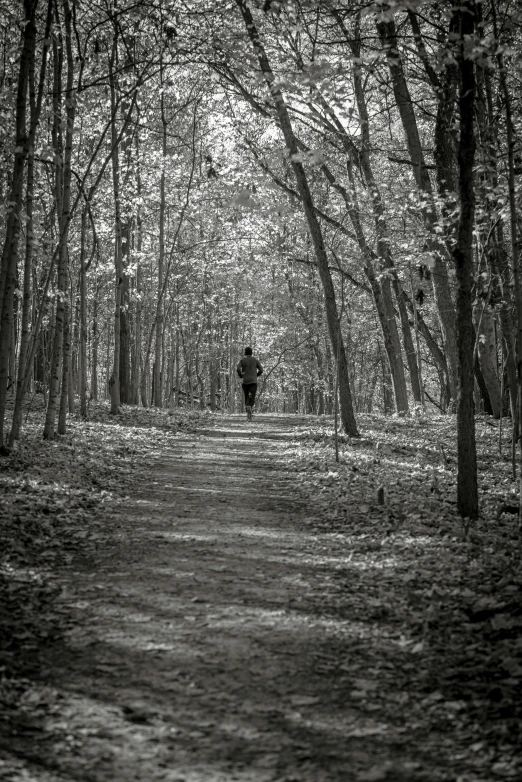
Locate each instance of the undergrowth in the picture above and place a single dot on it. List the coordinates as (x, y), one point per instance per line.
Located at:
(393, 492)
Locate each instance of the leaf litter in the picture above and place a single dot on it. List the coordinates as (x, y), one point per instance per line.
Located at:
(396, 653)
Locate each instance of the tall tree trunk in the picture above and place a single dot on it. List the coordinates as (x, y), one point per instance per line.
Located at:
(66, 372)
(177, 371)
(125, 322)
(63, 156)
(13, 220)
(25, 329)
(383, 301)
(137, 369)
(126, 159)
(82, 353)
(36, 97)
(381, 227)
(161, 257)
(212, 362)
(495, 245)
(467, 491)
(114, 379)
(136, 362)
(232, 360)
(515, 253)
(381, 290)
(94, 344)
(347, 413)
(441, 286)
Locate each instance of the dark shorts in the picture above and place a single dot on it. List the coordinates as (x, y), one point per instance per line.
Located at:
(249, 390)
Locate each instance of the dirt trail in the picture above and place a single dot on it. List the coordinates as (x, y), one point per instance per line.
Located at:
(225, 640)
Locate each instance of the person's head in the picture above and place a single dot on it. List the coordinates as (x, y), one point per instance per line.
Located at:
(248, 351)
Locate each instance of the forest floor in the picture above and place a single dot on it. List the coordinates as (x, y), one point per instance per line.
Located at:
(195, 598)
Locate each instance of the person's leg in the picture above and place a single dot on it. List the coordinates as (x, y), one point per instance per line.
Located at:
(252, 388)
(246, 394)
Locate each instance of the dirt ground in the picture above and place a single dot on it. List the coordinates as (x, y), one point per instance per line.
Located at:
(223, 637)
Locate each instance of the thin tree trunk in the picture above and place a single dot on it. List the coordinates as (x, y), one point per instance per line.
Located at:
(36, 97)
(417, 340)
(66, 372)
(212, 363)
(467, 491)
(94, 356)
(63, 201)
(83, 319)
(73, 326)
(137, 363)
(441, 286)
(161, 257)
(114, 379)
(232, 361)
(25, 330)
(8, 268)
(390, 333)
(499, 257)
(412, 355)
(125, 154)
(511, 141)
(125, 319)
(177, 374)
(382, 298)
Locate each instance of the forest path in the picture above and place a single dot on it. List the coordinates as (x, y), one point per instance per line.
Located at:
(224, 639)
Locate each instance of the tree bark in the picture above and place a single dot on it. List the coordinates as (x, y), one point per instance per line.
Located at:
(66, 372)
(114, 379)
(63, 175)
(13, 221)
(82, 352)
(441, 286)
(35, 99)
(391, 342)
(161, 255)
(382, 298)
(94, 354)
(467, 490)
(515, 255)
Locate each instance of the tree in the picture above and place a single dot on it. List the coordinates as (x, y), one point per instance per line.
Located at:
(388, 36)
(8, 271)
(347, 414)
(467, 493)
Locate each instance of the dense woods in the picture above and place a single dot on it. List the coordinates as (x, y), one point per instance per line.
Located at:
(334, 183)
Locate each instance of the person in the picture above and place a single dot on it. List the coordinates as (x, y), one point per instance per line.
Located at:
(249, 368)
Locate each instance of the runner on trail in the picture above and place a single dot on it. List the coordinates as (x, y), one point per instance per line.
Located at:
(249, 369)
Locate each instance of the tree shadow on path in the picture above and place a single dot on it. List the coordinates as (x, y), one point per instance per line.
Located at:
(223, 639)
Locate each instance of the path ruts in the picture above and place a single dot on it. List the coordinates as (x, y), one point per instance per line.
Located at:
(216, 646)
